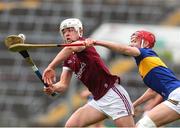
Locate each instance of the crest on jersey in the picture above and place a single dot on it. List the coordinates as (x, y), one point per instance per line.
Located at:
(69, 61)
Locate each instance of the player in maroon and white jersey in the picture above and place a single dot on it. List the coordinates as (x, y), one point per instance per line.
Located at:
(109, 98)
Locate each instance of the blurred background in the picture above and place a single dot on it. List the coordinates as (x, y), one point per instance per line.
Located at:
(22, 101)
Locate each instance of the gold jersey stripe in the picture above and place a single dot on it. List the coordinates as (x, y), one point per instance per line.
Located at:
(149, 63)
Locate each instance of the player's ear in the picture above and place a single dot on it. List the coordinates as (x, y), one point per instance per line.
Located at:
(81, 31)
(146, 44)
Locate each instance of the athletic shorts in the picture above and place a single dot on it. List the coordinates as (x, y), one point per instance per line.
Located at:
(173, 101)
(115, 103)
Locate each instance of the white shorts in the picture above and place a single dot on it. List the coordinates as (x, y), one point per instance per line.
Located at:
(115, 103)
(173, 101)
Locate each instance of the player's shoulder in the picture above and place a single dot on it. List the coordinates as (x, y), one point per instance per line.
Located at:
(71, 57)
(145, 50)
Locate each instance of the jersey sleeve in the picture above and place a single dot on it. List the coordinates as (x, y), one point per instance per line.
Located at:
(66, 65)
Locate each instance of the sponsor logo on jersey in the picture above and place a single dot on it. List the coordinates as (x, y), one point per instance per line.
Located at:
(69, 61)
(81, 70)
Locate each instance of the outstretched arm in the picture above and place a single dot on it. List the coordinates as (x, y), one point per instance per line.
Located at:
(153, 102)
(151, 98)
(145, 97)
(117, 47)
(121, 48)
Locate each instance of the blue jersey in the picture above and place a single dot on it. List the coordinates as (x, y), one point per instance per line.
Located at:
(156, 75)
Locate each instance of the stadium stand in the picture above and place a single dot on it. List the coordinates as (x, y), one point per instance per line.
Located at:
(21, 97)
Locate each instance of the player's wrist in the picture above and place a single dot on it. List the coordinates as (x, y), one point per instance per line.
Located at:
(95, 42)
(85, 44)
(51, 66)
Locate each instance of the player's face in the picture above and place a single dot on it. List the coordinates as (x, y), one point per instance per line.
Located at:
(70, 34)
(135, 41)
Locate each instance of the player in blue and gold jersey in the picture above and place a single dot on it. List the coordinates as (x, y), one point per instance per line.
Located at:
(155, 74)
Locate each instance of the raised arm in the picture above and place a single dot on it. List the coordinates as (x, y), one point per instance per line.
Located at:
(64, 54)
(49, 73)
